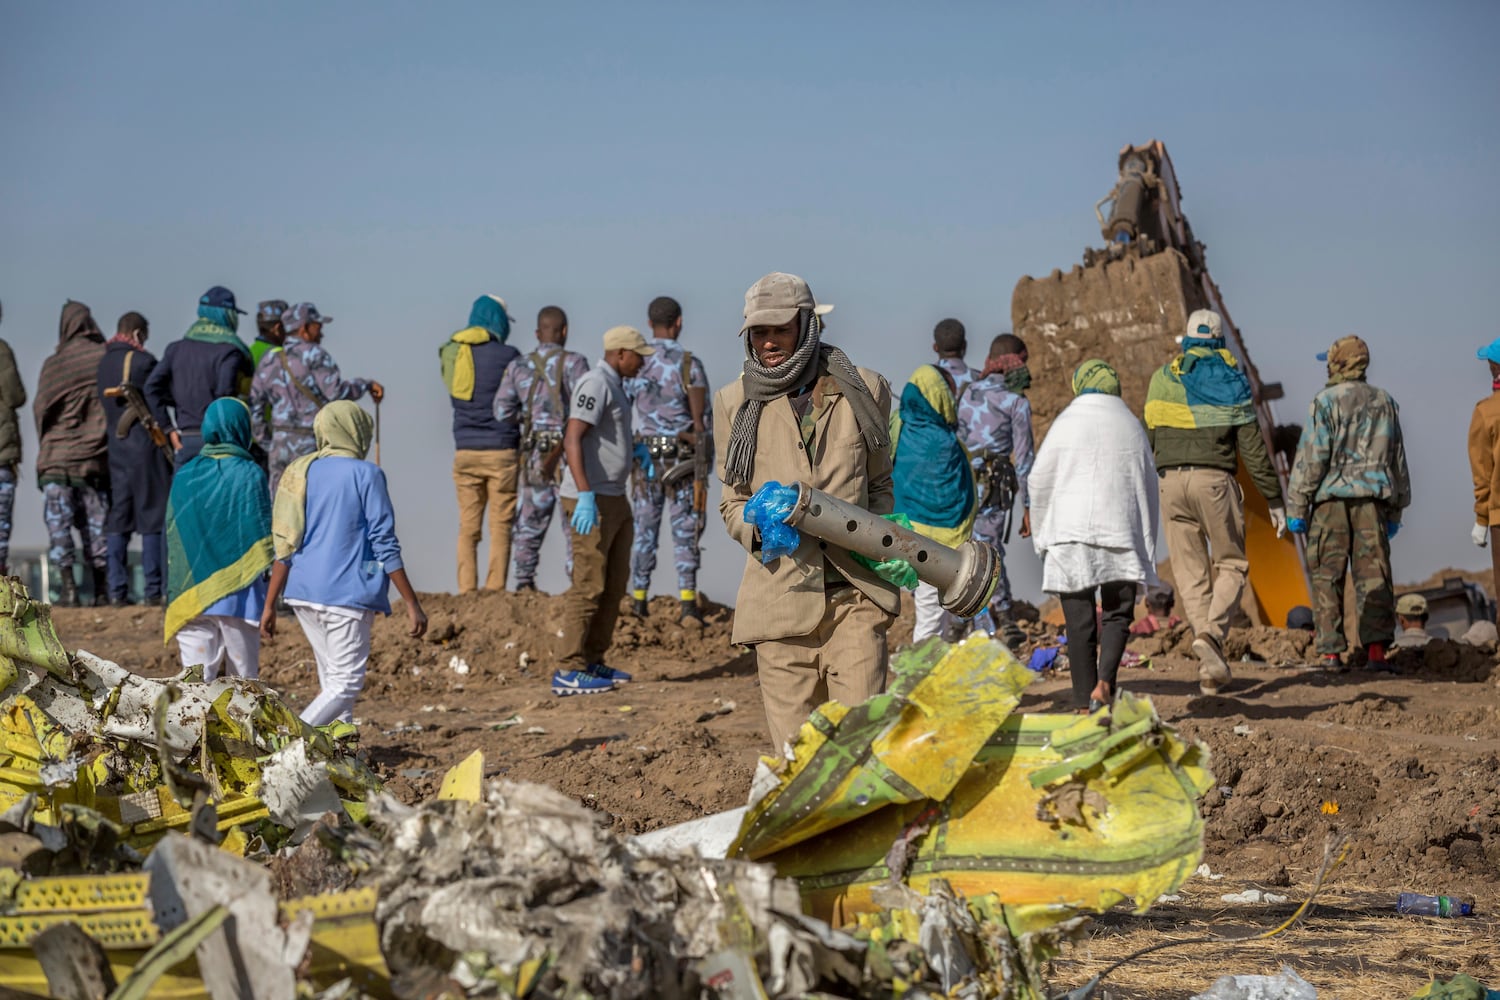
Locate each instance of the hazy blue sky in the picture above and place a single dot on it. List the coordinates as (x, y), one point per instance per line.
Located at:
(391, 162)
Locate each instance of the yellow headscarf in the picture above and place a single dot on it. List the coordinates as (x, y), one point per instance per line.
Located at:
(934, 388)
(341, 428)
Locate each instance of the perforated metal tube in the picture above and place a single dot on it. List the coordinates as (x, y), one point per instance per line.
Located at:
(965, 577)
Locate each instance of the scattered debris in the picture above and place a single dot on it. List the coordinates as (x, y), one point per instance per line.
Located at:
(1253, 896)
(720, 708)
(1287, 985)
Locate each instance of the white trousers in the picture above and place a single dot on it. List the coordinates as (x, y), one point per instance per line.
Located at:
(340, 638)
(212, 640)
(930, 614)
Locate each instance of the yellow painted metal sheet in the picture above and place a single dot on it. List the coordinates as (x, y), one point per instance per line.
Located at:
(1049, 813)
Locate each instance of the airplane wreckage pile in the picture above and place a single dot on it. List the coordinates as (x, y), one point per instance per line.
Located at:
(929, 842)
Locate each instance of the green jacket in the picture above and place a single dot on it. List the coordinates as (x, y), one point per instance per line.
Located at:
(1218, 448)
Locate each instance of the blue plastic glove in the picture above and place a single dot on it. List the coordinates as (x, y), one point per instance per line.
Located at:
(1297, 525)
(767, 510)
(643, 459)
(586, 514)
(1391, 527)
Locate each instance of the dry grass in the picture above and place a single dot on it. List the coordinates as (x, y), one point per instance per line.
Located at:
(1351, 944)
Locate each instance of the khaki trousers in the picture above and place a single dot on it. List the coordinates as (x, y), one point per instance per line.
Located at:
(484, 479)
(844, 659)
(601, 575)
(1204, 512)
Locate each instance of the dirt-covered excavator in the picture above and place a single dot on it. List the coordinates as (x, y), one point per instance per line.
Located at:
(1128, 303)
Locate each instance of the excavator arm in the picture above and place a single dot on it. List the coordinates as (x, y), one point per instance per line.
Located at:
(1129, 302)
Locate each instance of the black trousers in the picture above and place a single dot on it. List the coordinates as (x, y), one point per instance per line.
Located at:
(1092, 656)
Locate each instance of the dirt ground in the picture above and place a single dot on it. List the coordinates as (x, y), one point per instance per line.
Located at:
(1405, 765)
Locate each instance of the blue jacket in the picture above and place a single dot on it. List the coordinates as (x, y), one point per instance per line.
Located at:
(135, 446)
(350, 542)
(190, 375)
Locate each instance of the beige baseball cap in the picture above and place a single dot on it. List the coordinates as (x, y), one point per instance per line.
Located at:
(1411, 605)
(1205, 323)
(627, 338)
(778, 298)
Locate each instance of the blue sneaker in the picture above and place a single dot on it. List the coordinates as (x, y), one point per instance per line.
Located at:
(608, 673)
(566, 682)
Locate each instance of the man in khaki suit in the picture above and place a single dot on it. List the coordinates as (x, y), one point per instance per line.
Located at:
(802, 412)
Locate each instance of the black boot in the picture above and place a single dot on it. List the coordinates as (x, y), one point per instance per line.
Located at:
(640, 608)
(691, 614)
(101, 587)
(67, 590)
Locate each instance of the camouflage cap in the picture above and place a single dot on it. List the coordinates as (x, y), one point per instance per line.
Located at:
(1348, 356)
(302, 314)
(1411, 605)
(778, 298)
(1345, 350)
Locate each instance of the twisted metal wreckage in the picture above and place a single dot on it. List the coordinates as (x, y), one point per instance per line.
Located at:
(929, 842)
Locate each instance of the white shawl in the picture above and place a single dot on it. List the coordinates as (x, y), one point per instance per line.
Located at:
(1094, 496)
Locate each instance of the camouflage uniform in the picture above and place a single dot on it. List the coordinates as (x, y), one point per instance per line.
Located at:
(7, 507)
(281, 414)
(963, 375)
(659, 400)
(68, 506)
(541, 406)
(995, 423)
(1348, 483)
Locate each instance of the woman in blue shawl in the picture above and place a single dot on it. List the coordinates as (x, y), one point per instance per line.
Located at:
(934, 483)
(219, 547)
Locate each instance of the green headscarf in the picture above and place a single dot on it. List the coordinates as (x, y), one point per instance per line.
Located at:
(1095, 375)
(341, 429)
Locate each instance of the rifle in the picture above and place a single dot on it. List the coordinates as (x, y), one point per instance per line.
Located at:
(703, 449)
(997, 486)
(136, 410)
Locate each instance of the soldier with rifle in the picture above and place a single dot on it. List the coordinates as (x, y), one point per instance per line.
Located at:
(673, 449)
(140, 462)
(994, 423)
(534, 393)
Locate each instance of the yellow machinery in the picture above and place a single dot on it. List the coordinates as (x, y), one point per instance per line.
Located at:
(1128, 302)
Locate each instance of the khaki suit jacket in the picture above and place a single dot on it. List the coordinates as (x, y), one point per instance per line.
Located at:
(786, 598)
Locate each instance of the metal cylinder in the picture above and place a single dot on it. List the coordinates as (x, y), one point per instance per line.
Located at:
(965, 577)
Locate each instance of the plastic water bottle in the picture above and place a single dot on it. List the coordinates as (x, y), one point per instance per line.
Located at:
(1433, 906)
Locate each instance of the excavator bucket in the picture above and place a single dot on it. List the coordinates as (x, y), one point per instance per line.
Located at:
(1128, 303)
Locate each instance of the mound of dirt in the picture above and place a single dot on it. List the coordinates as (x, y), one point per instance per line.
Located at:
(1449, 660)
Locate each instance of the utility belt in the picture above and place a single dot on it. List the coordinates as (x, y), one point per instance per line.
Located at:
(995, 481)
(665, 447)
(541, 442)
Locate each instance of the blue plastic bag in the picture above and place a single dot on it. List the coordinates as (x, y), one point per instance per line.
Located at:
(768, 510)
